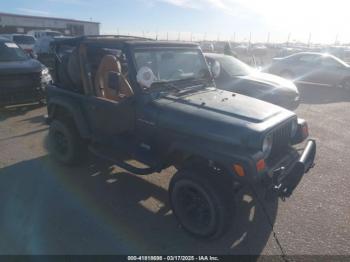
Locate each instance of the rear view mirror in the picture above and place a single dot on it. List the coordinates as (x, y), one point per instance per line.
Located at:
(113, 80)
(215, 69)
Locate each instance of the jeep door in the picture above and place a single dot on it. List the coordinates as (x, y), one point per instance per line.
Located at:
(109, 107)
(109, 118)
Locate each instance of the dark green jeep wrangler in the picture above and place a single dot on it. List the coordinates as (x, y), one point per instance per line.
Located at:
(128, 98)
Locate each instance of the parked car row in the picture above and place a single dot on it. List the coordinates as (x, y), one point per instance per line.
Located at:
(277, 82)
(236, 76)
(35, 41)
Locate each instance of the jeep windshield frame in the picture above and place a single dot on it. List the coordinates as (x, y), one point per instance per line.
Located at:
(173, 66)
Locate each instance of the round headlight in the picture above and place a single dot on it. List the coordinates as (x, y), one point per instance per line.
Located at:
(294, 128)
(267, 145)
(45, 71)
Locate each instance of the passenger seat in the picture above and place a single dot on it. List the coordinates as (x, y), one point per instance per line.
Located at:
(110, 63)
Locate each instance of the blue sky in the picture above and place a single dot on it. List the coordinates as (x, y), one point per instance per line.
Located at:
(214, 18)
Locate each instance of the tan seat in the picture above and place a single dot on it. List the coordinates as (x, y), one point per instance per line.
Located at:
(110, 63)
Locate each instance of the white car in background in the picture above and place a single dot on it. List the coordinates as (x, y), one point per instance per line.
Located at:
(26, 42)
(44, 33)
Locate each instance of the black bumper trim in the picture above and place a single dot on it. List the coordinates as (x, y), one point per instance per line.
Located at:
(284, 182)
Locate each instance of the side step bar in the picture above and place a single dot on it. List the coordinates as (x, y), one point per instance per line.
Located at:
(122, 164)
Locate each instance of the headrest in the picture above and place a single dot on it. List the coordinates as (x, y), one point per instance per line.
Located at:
(110, 63)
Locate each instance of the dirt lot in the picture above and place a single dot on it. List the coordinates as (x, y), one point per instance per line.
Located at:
(99, 209)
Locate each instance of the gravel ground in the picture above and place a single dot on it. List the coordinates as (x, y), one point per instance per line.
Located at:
(99, 209)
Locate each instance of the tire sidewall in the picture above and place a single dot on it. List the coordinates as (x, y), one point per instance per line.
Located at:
(71, 156)
(217, 197)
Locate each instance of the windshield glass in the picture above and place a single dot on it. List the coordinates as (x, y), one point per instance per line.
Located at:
(11, 52)
(172, 64)
(24, 39)
(234, 67)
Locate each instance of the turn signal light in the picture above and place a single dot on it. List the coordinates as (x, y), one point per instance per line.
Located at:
(305, 130)
(260, 165)
(239, 170)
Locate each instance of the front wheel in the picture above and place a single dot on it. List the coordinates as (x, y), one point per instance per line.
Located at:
(65, 144)
(203, 205)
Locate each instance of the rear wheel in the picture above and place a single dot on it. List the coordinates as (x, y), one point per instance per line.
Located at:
(65, 144)
(203, 205)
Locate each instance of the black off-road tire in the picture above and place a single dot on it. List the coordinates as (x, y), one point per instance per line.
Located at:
(215, 203)
(65, 143)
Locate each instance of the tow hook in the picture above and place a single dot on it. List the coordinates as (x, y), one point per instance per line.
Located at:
(275, 189)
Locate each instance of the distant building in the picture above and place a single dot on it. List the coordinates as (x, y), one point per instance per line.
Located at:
(13, 23)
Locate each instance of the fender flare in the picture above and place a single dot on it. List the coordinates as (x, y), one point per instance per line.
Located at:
(205, 152)
(72, 110)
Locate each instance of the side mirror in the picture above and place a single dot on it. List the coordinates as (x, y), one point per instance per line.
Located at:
(113, 80)
(215, 69)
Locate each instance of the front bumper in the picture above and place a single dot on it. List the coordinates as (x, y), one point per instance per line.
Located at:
(284, 179)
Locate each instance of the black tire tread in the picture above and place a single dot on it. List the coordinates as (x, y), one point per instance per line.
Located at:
(218, 189)
(78, 147)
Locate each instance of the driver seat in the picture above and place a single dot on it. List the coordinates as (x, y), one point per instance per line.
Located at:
(110, 63)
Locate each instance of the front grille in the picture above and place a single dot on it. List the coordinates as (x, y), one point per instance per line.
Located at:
(281, 138)
(20, 81)
(19, 87)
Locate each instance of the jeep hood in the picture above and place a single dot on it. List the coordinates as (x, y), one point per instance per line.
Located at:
(220, 115)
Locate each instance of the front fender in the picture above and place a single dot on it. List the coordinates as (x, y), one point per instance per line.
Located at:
(220, 154)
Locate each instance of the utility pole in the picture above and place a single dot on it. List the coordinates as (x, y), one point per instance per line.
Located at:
(288, 39)
(309, 41)
(268, 37)
(167, 36)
